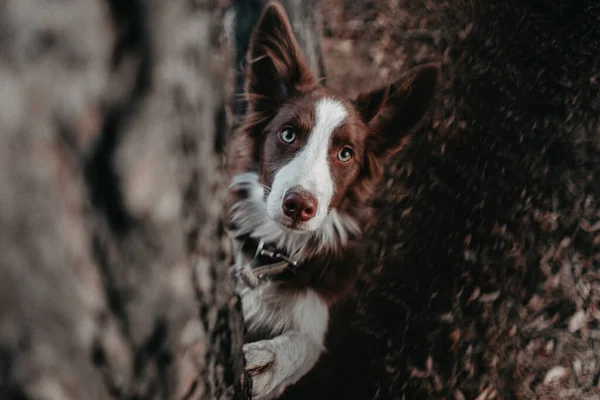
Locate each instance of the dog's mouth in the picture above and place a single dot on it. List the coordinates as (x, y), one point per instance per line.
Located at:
(290, 225)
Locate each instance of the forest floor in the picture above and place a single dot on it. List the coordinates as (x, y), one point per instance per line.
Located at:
(367, 43)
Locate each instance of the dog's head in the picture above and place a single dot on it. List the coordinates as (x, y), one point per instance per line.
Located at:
(315, 150)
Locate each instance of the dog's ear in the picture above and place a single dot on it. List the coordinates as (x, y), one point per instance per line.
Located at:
(397, 109)
(276, 66)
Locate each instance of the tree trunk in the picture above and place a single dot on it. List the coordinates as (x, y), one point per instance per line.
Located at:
(113, 268)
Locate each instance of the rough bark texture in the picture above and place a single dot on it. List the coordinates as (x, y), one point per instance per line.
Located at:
(485, 279)
(113, 272)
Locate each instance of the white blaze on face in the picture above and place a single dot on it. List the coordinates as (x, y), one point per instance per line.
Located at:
(309, 169)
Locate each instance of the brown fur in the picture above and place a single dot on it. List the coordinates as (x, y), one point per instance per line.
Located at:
(281, 92)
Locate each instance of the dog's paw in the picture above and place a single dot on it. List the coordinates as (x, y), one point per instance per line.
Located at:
(260, 365)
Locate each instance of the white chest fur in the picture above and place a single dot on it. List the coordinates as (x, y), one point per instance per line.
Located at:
(270, 308)
(295, 323)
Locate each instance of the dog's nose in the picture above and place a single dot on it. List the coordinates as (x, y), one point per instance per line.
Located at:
(299, 205)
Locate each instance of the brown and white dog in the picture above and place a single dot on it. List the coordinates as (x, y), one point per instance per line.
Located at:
(304, 163)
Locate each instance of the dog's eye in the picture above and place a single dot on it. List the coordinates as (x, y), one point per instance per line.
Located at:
(288, 136)
(345, 154)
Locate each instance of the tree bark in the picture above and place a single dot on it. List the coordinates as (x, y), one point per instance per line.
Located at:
(113, 265)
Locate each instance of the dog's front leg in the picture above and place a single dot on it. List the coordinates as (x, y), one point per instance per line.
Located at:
(280, 362)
